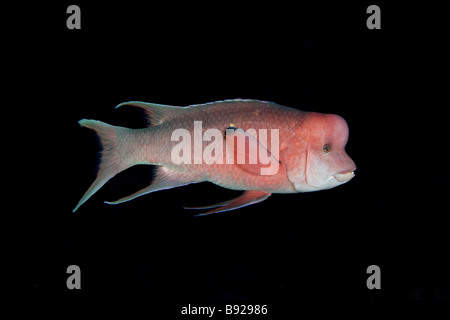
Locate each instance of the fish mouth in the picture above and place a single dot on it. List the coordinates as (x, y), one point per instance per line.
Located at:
(344, 176)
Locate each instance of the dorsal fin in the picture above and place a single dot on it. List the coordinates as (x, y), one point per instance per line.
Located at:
(228, 101)
(156, 113)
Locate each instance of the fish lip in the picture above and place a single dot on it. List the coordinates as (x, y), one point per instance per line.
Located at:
(344, 175)
(345, 171)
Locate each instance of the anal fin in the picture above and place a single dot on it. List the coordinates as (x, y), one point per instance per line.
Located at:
(164, 179)
(247, 198)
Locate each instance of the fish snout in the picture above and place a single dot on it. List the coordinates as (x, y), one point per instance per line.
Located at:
(344, 176)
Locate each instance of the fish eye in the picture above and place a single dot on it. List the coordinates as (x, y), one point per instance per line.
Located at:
(326, 148)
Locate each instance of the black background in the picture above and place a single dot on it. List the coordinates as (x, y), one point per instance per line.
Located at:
(391, 85)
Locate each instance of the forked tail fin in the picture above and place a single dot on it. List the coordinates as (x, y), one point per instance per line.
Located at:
(111, 162)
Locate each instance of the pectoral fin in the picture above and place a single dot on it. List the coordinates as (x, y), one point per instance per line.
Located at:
(247, 152)
(247, 198)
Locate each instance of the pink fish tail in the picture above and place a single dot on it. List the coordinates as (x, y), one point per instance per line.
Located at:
(113, 158)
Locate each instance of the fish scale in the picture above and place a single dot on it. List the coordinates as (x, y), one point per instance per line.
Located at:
(218, 116)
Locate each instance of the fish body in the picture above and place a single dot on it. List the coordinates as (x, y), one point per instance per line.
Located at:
(305, 150)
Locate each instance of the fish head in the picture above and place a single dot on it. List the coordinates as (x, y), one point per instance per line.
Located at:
(317, 159)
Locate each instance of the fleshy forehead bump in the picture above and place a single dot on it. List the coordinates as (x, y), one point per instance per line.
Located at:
(338, 127)
(321, 126)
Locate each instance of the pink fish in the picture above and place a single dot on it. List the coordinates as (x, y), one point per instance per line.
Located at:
(299, 151)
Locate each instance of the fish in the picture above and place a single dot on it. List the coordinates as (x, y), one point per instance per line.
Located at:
(258, 147)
